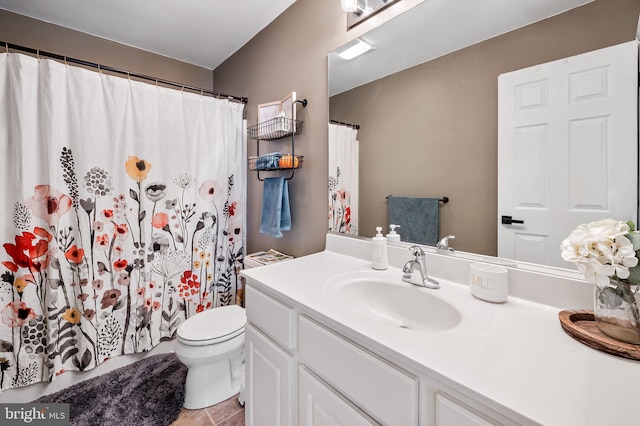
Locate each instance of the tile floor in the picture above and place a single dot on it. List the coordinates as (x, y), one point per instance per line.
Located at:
(226, 413)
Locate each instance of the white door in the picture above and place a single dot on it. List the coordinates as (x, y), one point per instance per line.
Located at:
(567, 150)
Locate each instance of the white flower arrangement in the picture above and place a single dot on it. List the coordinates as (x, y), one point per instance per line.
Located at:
(606, 253)
(604, 249)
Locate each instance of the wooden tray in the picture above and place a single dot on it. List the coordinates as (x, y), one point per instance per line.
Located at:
(581, 325)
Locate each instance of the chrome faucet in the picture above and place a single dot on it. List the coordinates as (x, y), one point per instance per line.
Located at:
(443, 245)
(415, 270)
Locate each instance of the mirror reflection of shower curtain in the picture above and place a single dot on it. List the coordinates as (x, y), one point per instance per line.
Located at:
(343, 179)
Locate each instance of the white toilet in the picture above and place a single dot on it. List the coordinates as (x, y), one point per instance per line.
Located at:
(211, 345)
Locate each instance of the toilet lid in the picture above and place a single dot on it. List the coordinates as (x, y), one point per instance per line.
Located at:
(213, 324)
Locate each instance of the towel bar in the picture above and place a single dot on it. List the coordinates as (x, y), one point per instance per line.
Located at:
(443, 200)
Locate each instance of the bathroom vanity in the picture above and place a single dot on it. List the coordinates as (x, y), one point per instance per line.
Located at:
(331, 341)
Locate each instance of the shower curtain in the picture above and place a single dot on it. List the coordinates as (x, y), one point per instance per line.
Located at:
(122, 215)
(343, 179)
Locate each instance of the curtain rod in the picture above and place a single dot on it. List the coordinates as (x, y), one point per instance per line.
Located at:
(67, 59)
(355, 126)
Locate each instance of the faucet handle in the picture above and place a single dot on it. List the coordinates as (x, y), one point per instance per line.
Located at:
(443, 244)
(417, 251)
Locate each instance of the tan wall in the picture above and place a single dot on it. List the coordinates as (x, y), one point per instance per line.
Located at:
(291, 55)
(455, 109)
(432, 130)
(35, 34)
(286, 56)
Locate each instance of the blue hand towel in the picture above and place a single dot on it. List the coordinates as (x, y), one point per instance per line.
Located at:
(268, 161)
(419, 219)
(276, 213)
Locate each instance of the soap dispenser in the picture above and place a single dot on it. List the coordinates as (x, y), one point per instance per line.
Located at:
(379, 253)
(392, 236)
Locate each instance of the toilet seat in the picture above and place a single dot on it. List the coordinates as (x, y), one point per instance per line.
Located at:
(213, 326)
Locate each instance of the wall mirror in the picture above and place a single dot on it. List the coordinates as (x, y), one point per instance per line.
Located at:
(425, 99)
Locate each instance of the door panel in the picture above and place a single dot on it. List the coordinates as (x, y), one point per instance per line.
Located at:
(588, 164)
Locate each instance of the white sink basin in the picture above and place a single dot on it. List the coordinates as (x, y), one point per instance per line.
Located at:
(396, 304)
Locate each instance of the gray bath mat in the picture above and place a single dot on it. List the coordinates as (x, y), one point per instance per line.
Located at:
(147, 392)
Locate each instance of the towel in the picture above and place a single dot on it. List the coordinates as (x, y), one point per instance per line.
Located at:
(276, 214)
(268, 161)
(419, 219)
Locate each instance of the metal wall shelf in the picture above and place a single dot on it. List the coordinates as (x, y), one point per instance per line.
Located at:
(270, 162)
(276, 128)
(271, 130)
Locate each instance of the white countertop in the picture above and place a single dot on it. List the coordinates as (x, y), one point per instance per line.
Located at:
(513, 354)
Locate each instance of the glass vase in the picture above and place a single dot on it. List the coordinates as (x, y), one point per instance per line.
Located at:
(616, 310)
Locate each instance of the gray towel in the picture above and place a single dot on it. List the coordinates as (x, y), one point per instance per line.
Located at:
(419, 219)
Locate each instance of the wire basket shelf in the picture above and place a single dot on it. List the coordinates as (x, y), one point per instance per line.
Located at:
(275, 162)
(276, 128)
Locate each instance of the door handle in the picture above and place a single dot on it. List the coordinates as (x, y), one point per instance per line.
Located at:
(508, 220)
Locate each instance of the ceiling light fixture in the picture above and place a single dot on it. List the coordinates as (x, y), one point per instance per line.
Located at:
(360, 10)
(349, 5)
(355, 49)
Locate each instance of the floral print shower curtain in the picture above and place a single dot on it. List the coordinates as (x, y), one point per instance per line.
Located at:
(343, 179)
(122, 215)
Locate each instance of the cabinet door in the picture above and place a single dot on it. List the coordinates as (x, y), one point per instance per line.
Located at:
(269, 381)
(451, 413)
(320, 406)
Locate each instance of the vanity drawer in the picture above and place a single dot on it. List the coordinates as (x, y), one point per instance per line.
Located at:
(385, 392)
(272, 317)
